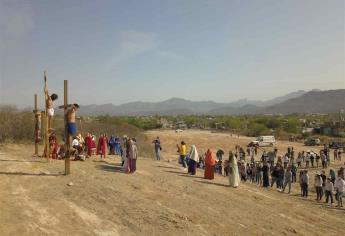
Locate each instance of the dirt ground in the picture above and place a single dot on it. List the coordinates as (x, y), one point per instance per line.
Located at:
(159, 199)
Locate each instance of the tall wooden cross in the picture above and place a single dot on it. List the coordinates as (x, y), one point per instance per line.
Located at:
(36, 125)
(67, 136)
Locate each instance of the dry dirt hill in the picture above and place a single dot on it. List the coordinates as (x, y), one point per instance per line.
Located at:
(159, 199)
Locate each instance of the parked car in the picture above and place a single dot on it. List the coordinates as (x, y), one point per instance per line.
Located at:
(312, 141)
(336, 144)
(264, 141)
(178, 130)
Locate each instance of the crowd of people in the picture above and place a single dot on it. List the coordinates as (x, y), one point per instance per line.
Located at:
(271, 169)
(86, 147)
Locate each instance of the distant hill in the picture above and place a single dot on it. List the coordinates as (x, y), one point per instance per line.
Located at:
(245, 101)
(330, 101)
(314, 101)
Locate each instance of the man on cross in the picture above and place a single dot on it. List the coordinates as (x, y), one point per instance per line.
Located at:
(70, 117)
(49, 103)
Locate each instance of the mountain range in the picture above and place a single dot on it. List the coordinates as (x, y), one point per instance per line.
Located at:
(314, 101)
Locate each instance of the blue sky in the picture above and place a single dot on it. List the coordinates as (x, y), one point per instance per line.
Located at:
(122, 51)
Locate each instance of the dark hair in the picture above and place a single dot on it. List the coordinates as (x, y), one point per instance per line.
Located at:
(76, 105)
(183, 143)
(54, 96)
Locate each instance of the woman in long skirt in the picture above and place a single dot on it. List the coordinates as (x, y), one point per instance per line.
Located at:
(210, 162)
(193, 160)
(133, 155)
(234, 176)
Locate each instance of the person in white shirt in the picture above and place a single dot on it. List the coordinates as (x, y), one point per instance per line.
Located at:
(76, 144)
(339, 186)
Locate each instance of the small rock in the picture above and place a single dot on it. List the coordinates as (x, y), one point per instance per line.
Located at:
(70, 184)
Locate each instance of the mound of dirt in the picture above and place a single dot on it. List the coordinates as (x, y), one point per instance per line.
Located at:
(159, 199)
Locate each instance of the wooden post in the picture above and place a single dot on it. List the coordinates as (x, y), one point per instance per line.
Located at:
(67, 138)
(46, 124)
(36, 128)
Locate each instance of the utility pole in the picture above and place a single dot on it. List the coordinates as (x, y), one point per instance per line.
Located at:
(46, 124)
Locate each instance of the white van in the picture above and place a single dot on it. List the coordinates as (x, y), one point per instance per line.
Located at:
(265, 141)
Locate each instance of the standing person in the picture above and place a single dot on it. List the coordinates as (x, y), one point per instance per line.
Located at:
(294, 172)
(252, 154)
(193, 160)
(339, 154)
(329, 190)
(234, 176)
(126, 153)
(274, 175)
(133, 155)
(117, 146)
(254, 169)
(335, 155)
(219, 155)
(157, 148)
(111, 144)
(183, 153)
(259, 174)
(265, 179)
(341, 172)
(102, 146)
(317, 158)
(323, 159)
(299, 160)
(280, 181)
(292, 156)
(287, 179)
(307, 160)
(300, 181)
(286, 160)
(312, 157)
(339, 186)
(332, 175)
(318, 186)
(273, 156)
(210, 162)
(88, 142)
(305, 183)
(324, 177)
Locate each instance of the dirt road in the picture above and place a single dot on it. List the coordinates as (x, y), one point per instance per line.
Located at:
(159, 199)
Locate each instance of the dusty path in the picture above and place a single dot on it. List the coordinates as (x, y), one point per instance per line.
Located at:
(159, 199)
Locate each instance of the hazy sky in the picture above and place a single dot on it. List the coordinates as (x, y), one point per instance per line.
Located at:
(151, 50)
